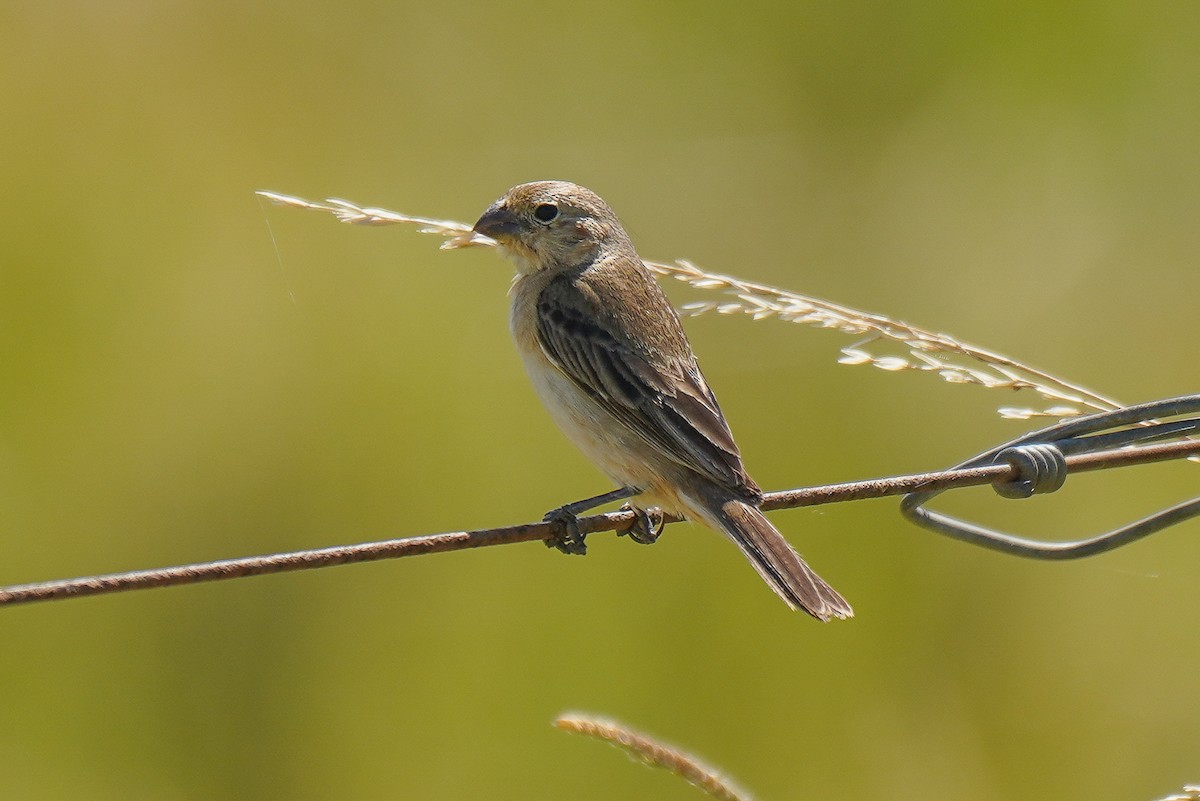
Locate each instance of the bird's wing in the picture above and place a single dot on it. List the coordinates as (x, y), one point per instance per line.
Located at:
(663, 399)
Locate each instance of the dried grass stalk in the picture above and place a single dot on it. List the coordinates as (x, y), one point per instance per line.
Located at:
(654, 753)
(911, 348)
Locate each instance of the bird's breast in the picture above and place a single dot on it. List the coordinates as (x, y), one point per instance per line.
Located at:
(612, 446)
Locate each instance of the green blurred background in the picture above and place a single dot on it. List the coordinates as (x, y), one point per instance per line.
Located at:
(187, 374)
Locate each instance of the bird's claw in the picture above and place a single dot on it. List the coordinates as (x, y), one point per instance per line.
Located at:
(568, 539)
(647, 525)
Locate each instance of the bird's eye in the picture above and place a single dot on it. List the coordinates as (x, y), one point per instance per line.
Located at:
(545, 212)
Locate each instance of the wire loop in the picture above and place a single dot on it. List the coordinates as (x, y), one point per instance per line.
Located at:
(1039, 461)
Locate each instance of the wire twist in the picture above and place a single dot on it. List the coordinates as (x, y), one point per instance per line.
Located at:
(1040, 469)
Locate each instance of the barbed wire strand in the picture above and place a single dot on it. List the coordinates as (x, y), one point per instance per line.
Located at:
(613, 521)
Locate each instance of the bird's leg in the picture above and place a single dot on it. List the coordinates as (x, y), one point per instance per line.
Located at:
(570, 539)
(647, 525)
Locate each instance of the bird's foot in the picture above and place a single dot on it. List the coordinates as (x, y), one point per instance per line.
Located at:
(647, 525)
(568, 539)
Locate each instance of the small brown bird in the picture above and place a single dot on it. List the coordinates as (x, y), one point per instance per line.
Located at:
(609, 359)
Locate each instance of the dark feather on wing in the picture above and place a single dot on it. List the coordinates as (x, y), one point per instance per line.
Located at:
(666, 401)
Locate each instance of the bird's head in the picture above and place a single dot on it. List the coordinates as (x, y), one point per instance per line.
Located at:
(551, 225)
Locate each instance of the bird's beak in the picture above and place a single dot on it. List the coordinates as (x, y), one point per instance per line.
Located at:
(497, 223)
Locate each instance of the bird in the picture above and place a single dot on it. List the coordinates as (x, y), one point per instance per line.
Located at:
(609, 359)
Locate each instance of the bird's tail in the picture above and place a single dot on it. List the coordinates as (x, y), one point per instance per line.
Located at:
(774, 559)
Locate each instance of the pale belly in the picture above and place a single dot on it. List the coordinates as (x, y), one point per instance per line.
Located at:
(623, 456)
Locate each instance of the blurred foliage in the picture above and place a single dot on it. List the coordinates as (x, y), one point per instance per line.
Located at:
(186, 374)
